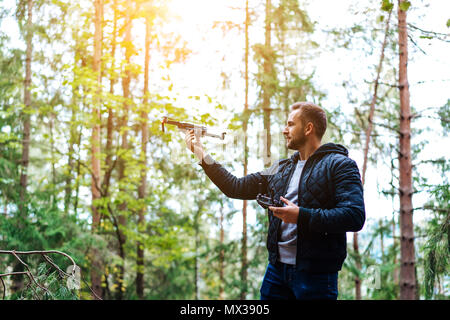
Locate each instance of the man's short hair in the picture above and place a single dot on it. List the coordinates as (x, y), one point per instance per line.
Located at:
(311, 112)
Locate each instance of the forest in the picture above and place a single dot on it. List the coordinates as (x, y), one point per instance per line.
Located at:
(98, 202)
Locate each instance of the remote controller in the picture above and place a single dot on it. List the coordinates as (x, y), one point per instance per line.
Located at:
(266, 201)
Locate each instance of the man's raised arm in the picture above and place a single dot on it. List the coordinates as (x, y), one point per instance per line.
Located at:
(245, 188)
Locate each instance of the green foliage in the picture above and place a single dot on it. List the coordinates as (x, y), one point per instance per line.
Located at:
(386, 5)
(437, 246)
(404, 5)
(48, 284)
(437, 252)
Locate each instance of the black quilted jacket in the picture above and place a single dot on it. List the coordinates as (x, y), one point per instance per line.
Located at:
(330, 203)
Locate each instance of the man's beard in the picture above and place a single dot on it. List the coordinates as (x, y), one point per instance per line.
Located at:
(297, 142)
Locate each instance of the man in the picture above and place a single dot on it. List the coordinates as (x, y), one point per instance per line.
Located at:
(323, 196)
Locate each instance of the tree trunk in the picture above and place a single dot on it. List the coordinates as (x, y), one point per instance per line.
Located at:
(26, 116)
(18, 282)
(109, 164)
(110, 121)
(366, 149)
(85, 106)
(78, 171)
(374, 100)
(407, 269)
(96, 270)
(124, 146)
(267, 67)
(286, 89)
(71, 151)
(143, 185)
(244, 127)
(52, 156)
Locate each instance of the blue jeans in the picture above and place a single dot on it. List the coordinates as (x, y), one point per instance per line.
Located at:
(284, 281)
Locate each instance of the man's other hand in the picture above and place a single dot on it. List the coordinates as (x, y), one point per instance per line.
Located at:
(289, 213)
(193, 143)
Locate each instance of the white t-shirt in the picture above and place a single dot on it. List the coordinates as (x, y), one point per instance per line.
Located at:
(287, 244)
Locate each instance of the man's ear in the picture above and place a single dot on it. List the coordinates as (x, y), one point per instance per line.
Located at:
(309, 128)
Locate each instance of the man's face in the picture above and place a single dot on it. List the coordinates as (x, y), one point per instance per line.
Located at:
(294, 132)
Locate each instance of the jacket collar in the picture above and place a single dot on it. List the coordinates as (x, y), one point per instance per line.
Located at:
(324, 149)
